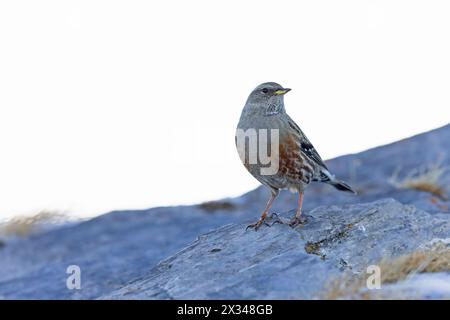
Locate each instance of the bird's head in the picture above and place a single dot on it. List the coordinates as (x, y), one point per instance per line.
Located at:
(269, 97)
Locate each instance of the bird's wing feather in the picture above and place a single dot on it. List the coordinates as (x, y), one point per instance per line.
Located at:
(306, 146)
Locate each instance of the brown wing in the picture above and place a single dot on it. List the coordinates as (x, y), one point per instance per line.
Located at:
(306, 146)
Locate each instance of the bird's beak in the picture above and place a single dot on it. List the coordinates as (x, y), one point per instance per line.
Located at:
(280, 92)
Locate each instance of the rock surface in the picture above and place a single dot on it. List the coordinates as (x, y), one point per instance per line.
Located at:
(284, 263)
(120, 253)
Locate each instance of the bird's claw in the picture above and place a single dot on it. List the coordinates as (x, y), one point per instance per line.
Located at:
(296, 221)
(274, 215)
(276, 219)
(257, 225)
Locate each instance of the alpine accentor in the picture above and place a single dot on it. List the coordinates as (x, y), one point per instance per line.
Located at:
(297, 162)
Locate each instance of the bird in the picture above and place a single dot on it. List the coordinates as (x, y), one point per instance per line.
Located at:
(299, 163)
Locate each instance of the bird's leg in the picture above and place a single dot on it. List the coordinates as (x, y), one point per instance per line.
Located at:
(264, 214)
(296, 220)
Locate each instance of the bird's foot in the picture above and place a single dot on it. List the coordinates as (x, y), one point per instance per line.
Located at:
(275, 218)
(297, 221)
(257, 225)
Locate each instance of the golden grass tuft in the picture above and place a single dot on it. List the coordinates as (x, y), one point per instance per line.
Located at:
(436, 259)
(434, 189)
(426, 179)
(22, 226)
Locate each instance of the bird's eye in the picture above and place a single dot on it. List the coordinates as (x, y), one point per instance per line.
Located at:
(265, 90)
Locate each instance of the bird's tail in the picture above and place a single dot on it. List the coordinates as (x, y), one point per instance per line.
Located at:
(327, 177)
(341, 185)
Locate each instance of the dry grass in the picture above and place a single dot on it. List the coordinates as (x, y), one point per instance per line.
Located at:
(436, 259)
(22, 226)
(426, 179)
(212, 206)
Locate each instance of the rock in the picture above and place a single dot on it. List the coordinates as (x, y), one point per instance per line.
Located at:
(110, 250)
(282, 263)
(117, 248)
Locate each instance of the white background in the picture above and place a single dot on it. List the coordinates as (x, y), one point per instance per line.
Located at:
(132, 104)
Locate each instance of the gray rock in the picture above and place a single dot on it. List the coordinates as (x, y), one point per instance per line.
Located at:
(279, 262)
(120, 247)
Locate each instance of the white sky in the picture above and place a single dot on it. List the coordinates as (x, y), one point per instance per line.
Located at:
(131, 104)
